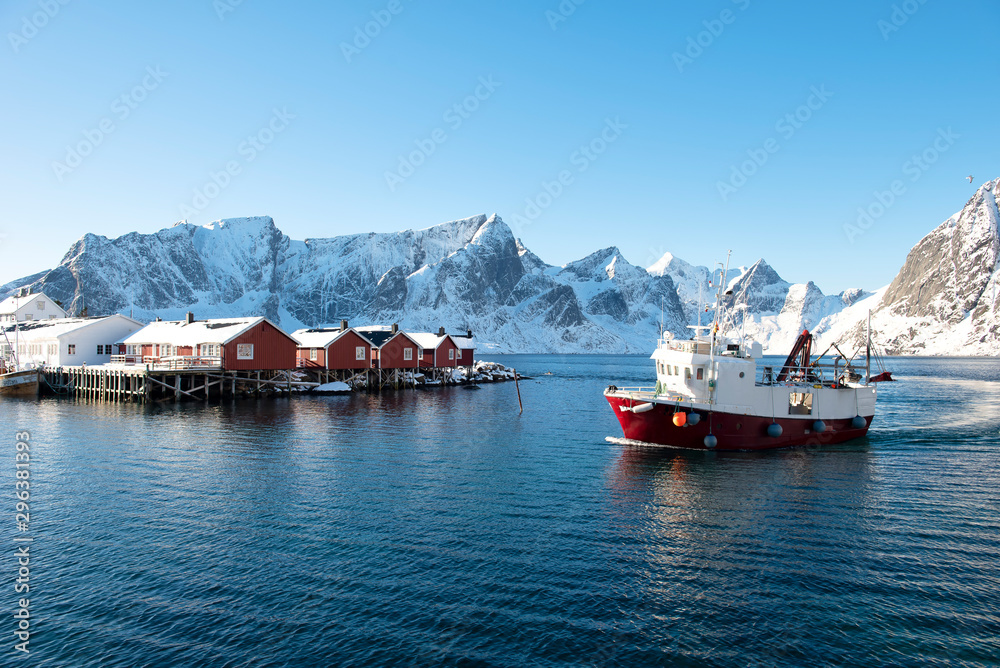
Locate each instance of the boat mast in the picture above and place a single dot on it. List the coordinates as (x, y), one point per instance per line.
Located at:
(17, 332)
(715, 323)
(868, 350)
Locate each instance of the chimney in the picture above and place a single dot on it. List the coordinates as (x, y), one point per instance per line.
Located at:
(159, 319)
(343, 325)
(440, 331)
(468, 333)
(395, 327)
(190, 317)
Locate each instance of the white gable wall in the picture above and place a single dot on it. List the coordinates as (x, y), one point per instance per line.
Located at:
(31, 307)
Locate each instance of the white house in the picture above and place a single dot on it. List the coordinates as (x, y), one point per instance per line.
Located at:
(29, 307)
(66, 341)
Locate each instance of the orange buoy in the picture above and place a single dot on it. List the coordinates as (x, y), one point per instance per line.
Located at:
(680, 419)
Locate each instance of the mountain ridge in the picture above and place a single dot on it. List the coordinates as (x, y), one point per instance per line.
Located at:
(472, 273)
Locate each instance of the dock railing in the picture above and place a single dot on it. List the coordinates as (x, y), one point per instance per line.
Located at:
(171, 363)
(185, 362)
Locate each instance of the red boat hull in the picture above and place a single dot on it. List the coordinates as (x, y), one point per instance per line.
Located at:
(733, 432)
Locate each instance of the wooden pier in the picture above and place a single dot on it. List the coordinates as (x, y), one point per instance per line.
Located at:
(140, 383)
(143, 384)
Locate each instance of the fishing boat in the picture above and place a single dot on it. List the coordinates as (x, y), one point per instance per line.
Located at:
(712, 392)
(19, 383)
(16, 380)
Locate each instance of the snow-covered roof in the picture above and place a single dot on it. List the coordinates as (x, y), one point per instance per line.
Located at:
(181, 333)
(321, 338)
(51, 329)
(379, 335)
(464, 342)
(427, 340)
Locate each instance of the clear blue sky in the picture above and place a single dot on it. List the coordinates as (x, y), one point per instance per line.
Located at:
(220, 74)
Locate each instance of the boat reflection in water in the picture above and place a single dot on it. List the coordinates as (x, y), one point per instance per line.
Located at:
(746, 553)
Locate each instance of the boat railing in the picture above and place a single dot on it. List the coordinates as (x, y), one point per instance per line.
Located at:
(814, 374)
(687, 346)
(636, 390)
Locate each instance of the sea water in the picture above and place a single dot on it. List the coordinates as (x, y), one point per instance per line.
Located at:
(442, 527)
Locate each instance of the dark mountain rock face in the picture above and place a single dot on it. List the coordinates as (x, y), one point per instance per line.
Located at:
(944, 299)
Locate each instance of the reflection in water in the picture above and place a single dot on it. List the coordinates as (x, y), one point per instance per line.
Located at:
(445, 528)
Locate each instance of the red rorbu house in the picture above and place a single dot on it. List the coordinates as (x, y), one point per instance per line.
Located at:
(466, 348)
(437, 350)
(230, 344)
(340, 349)
(391, 348)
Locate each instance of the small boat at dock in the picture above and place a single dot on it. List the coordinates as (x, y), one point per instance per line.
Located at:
(16, 380)
(19, 383)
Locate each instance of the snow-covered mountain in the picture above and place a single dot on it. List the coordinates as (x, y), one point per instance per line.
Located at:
(466, 274)
(473, 274)
(944, 301)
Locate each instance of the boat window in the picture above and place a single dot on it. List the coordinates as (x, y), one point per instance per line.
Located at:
(800, 403)
(677, 370)
(669, 370)
(700, 373)
(687, 373)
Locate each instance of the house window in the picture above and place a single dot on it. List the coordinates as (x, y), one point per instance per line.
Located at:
(407, 354)
(313, 354)
(71, 349)
(451, 353)
(209, 349)
(244, 351)
(40, 306)
(100, 349)
(359, 353)
(53, 349)
(29, 316)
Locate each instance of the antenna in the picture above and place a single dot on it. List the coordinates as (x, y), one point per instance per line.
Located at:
(701, 286)
(661, 316)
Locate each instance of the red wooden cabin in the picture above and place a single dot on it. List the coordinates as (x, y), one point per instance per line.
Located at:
(333, 349)
(393, 349)
(232, 344)
(439, 350)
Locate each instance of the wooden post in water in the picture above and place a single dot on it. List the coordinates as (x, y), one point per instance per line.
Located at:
(520, 406)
